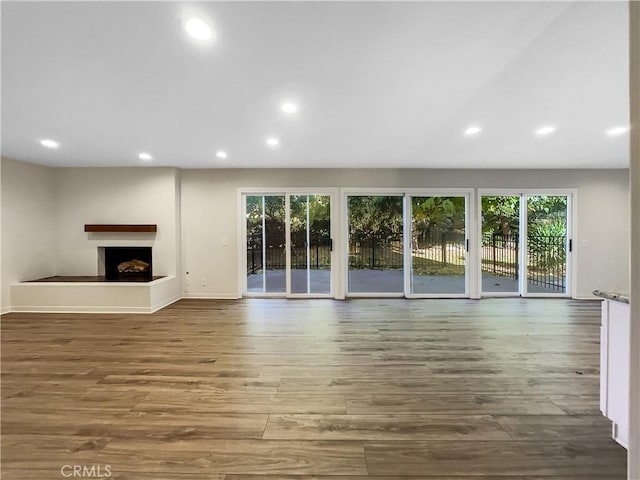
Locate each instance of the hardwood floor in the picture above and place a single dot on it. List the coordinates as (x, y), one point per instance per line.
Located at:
(384, 389)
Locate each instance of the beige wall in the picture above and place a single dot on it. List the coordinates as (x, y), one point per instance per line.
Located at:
(210, 214)
(634, 82)
(44, 211)
(28, 224)
(116, 195)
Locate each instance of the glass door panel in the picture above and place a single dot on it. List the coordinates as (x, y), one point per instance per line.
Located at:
(500, 255)
(376, 257)
(310, 234)
(438, 245)
(266, 255)
(546, 258)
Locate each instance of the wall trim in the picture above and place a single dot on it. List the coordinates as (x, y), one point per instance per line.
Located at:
(82, 309)
(225, 296)
(165, 303)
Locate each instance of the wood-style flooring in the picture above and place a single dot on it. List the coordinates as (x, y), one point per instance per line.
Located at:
(267, 389)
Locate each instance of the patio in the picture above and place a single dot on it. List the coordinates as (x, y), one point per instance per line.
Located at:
(383, 281)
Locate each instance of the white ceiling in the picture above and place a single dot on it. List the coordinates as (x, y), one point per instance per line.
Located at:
(378, 84)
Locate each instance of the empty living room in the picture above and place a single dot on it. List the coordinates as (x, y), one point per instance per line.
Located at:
(324, 240)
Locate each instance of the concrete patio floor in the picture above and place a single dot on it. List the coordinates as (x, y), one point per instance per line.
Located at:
(383, 281)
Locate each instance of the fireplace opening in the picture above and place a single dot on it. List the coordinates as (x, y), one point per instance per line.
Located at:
(128, 264)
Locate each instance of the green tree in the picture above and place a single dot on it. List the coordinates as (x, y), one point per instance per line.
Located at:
(500, 214)
(445, 213)
(377, 216)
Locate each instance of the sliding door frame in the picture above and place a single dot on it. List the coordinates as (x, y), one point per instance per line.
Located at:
(572, 222)
(570, 245)
(473, 233)
(243, 192)
(521, 211)
(368, 192)
(467, 194)
(407, 194)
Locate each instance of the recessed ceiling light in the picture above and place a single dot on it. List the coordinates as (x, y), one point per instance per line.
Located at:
(46, 142)
(144, 156)
(221, 154)
(198, 29)
(615, 131)
(289, 107)
(546, 130)
(473, 130)
(273, 141)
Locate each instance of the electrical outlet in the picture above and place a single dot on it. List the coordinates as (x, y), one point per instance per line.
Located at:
(203, 282)
(187, 282)
(225, 242)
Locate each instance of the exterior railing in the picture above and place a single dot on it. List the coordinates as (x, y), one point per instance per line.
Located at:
(500, 254)
(546, 258)
(547, 261)
(275, 255)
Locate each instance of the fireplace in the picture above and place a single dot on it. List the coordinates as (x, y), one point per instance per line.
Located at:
(128, 264)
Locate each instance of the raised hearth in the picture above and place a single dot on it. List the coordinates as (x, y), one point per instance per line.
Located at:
(89, 294)
(85, 278)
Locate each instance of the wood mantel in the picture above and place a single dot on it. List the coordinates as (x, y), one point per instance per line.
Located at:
(121, 228)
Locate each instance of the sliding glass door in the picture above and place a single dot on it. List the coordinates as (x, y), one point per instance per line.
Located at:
(547, 244)
(526, 244)
(406, 244)
(310, 244)
(376, 244)
(411, 243)
(438, 245)
(500, 253)
(266, 242)
(288, 244)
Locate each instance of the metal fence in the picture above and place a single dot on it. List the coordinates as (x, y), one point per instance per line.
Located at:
(546, 258)
(547, 261)
(365, 251)
(373, 252)
(275, 255)
(500, 254)
(447, 247)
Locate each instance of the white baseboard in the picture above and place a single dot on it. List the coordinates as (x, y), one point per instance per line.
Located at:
(82, 309)
(111, 309)
(165, 303)
(154, 308)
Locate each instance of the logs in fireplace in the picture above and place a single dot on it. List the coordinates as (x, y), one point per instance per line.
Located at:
(128, 264)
